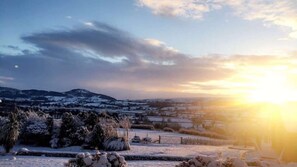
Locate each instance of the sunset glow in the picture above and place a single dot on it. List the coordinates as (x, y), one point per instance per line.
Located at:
(83, 74)
(272, 88)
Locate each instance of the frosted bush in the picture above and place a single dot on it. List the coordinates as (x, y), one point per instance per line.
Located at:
(9, 132)
(97, 160)
(100, 133)
(79, 136)
(38, 127)
(3, 121)
(116, 144)
(212, 161)
(54, 142)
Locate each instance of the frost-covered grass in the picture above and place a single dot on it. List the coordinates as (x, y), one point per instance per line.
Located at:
(136, 149)
(152, 149)
(154, 134)
(31, 161)
(152, 163)
(139, 149)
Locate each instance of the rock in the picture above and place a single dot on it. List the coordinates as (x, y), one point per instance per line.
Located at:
(212, 161)
(98, 160)
(214, 164)
(23, 150)
(80, 155)
(238, 162)
(88, 160)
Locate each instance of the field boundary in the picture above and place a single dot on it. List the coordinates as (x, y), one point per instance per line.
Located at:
(127, 157)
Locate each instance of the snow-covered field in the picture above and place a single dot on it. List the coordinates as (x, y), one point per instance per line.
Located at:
(154, 134)
(139, 149)
(136, 149)
(33, 161)
(151, 149)
(184, 122)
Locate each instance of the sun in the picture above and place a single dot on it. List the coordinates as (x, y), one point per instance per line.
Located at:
(272, 88)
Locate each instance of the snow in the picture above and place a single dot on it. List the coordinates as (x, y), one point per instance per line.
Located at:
(154, 134)
(55, 98)
(136, 149)
(152, 149)
(29, 161)
(185, 123)
(152, 163)
(37, 127)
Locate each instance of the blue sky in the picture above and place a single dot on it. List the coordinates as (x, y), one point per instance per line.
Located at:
(219, 32)
(164, 36)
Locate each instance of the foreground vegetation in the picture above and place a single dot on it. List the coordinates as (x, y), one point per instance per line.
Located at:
(87, 129)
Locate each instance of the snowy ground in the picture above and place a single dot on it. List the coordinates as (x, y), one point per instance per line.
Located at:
(141, 149)
(32, 161)
(136, 149)
(154, 134)
(154, 149)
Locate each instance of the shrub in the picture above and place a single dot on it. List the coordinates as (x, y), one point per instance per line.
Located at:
(205, 134)
(55, 141)
(160, 125)
(166, 129)
(174, 126)
(116, 144)
(198, 141)
(126, 124)
(96, 138)
(100, 133)
(90, 119)
(69, 127)
(218, 130)
(212, 161)
(36, 129)
(142, 126)
(79, 136)
(9, 132)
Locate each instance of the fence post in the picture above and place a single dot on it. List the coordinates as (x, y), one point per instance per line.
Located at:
(159, 139)
(181, 140)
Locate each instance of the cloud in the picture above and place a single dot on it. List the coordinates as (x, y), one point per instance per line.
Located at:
(108, 60)
(102, 42)
(281, 13)
(4, 79)
(89, 24)
(100, 56)
(183, 8)
(68, 17)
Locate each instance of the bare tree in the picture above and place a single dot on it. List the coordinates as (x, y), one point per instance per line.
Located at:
(126, 124)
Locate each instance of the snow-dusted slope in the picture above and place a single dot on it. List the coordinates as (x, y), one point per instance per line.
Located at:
(72, 97)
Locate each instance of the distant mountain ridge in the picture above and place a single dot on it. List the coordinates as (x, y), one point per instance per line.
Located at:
(11, 93)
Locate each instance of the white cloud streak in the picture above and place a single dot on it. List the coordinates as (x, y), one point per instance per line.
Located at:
(274, 12)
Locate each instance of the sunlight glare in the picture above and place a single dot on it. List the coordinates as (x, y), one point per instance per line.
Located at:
(272, 88)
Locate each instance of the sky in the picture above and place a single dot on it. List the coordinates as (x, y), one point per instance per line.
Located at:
(151, 48)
